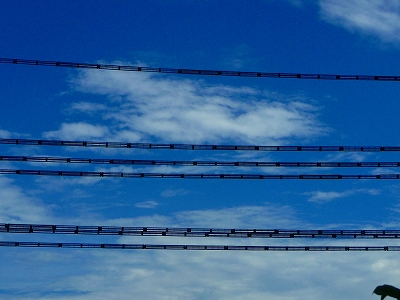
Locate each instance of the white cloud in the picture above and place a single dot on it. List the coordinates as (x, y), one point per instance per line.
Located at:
(80, 131)
(323, 197)
(379, 18)
(140, 107)
(124, 274)
(17, 207)
(180, 110)
(145, 274)
(227, 275)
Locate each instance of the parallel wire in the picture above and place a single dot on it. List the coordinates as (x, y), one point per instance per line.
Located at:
(148, 146)
(141, 162)
(195, 176)
(197, 247)
(198, 232)
(24, 228)
(196, 72)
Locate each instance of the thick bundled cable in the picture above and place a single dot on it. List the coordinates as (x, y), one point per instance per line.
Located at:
(195, 176)
(199, 232)
(196, 247)
(79, 65)
(149, 146)
(141, 162)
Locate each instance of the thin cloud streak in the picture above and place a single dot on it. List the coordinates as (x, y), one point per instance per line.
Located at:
(147, 204)
(321, 197)
(174, 192)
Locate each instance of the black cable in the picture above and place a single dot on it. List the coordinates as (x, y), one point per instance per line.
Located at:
(196, 72)
(149, 146)
(140, 162)
(196, 247)
(193, 176)
(199, 232)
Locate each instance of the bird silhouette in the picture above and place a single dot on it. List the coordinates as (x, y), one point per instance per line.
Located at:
(387, 290)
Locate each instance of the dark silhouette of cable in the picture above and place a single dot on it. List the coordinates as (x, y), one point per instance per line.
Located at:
(148, 146)
(199, 232)
(196, 247)
(194, 176)
(195, 72)
(196, 163)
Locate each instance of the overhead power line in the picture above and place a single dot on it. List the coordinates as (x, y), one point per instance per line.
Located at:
(148, 146)
(198, 232)
(194, 176)
(196, 247)
(80, 65)
(140, 162)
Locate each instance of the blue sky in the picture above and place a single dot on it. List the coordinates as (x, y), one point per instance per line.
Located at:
(321, 36)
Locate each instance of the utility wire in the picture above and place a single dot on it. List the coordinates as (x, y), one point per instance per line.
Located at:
(149, 146)
(140, 162)
(198, 232)
(197, 247)
(193, 176)
(195, 72)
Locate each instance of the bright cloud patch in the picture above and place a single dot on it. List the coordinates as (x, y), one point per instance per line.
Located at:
(143, 107)
(377, 17)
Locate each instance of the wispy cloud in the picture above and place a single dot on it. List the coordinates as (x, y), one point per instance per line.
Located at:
(268, 216)
(219, 275)
(143, 107)
(147, 204)
(86, 107)
(4, 134)
(172, 274)
(327, 196)
(262, 216)
(16, 206)
(380, 18)
(172, 193)
(239, 57)
(78, 130)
